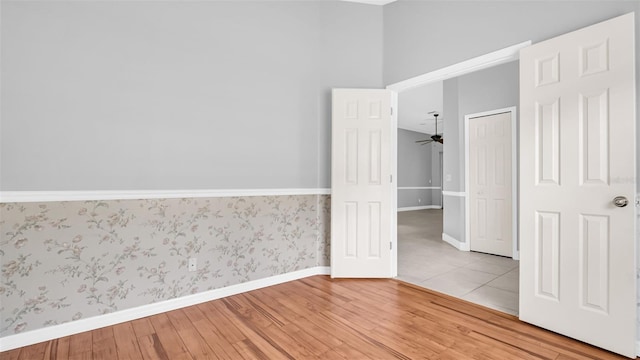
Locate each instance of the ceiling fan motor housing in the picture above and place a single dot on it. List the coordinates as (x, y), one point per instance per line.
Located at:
(435, 137)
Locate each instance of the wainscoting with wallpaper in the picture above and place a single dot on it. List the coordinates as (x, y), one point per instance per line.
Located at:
(76, 262)
(67, 261)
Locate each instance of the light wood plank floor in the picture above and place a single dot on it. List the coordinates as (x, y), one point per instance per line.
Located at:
(321, 318)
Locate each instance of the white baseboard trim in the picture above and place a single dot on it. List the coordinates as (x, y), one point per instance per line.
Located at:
(638, 348)
(412, 208)
(44, 196)
(96, 322)
(462, 246)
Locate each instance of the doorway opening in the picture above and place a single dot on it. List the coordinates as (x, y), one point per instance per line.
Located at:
(423, 257)
(427, 261)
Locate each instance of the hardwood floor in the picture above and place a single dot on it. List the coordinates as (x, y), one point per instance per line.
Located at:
(321, 318)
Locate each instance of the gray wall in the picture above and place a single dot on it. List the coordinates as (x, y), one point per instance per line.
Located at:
(425, 36)
(414, 160)
(489, 89)
(478, 90)
(415, 169)
(453, 209)
(414, 197)
(453, 128)
(453, 217)
(437, 160)
(177, 95)
(422, 36)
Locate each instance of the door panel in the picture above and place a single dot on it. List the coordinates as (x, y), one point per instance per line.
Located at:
(361, 188)
(594, 261)
(547, 134)
(577, 152)
(547, 251)
(490, 191)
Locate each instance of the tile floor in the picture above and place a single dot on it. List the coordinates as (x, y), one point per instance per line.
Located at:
(425, 260)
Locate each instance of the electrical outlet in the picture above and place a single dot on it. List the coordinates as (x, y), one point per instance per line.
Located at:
(193, 264)
(419, 201)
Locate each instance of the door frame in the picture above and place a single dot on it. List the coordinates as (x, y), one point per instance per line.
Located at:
(514, 175)
(491, 59)
(498, 57)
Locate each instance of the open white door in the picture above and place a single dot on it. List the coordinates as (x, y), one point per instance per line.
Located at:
(361, 183)
(577, 154)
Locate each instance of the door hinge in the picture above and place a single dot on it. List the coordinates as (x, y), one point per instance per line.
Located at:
(391, 179)
(392, 111)
(390, 245)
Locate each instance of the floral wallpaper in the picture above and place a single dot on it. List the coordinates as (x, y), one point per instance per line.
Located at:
(64, 261)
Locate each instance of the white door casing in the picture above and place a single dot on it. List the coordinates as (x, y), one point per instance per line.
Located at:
(489, 181)
(362, 193)
(577, 152)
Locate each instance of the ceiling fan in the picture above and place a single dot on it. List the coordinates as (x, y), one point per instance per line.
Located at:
(435, 137)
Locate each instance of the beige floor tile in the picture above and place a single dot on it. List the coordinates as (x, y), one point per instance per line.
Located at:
(471, 275)
(450, 285)
(425, 271)
(410, 279)
(498, 269)
(425, 260)
(499, 260)
(459, 260)
(493, 297)
(505, 282)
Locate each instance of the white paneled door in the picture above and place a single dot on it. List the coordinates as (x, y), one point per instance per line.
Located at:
(490, 190)
(361, 183)
(577, 166)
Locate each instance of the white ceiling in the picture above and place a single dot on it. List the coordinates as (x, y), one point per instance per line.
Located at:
(414, 106)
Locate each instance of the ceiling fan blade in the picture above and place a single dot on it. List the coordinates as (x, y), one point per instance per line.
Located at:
(423, 142)
(441, 140)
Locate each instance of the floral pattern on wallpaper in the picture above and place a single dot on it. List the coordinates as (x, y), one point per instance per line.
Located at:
(65, 261)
